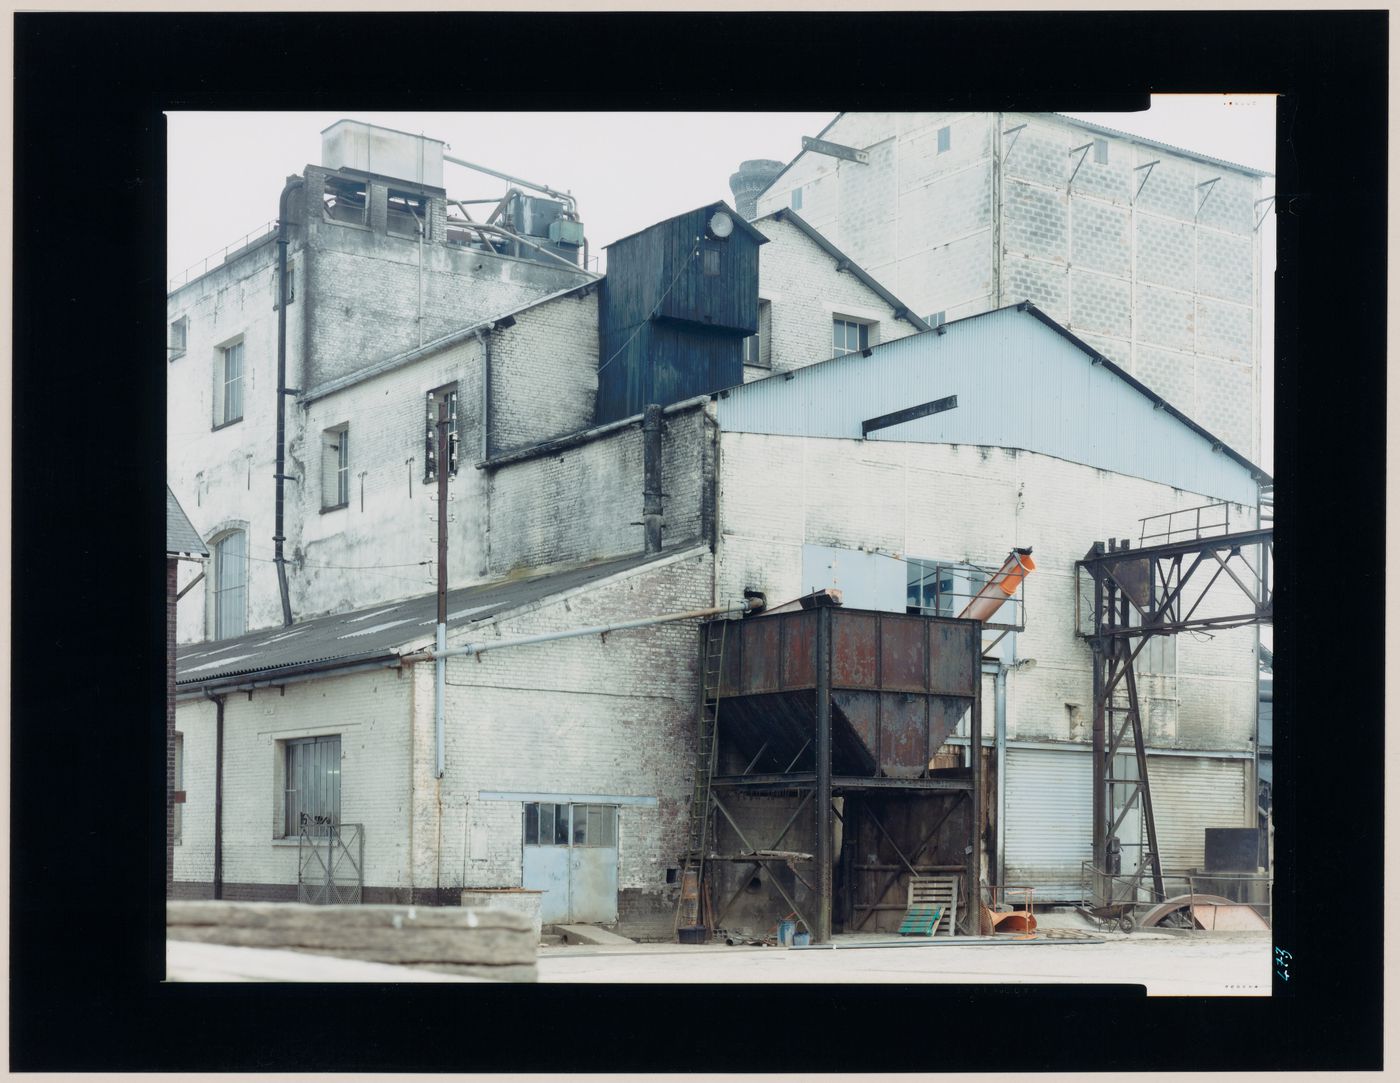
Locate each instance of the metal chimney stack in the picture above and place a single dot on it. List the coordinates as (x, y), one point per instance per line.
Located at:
(753, 177)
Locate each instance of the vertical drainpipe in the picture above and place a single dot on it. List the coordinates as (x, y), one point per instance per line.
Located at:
(974, 850)
(292, 184)
(1000, 724)
(822, 798)
(651, 468)
(484, 337)
(218, 795)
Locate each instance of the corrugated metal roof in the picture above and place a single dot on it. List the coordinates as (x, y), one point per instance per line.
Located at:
(1021, 381)
(181, 538)
(379, 632)
(845, 263)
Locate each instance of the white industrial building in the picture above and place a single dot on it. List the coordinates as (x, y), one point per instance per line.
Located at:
(770, 483)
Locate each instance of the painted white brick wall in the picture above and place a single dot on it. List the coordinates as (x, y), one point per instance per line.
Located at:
(1174, 291)
(806, 292)
(574, 716)
(953, 502)
(370, 711)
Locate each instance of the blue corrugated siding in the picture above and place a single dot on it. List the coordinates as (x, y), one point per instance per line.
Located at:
(1019, 385)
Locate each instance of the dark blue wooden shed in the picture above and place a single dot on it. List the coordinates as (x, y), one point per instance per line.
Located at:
(678, 301)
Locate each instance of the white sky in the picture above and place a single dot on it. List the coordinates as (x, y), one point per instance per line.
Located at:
(627, 170)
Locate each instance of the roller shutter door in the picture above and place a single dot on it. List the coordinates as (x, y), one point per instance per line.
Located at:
(1189, 794)
(1049, 820)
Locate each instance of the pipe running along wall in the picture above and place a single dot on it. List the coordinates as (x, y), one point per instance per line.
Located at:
(280, 469)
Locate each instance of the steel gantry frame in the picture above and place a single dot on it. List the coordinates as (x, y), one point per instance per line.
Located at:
(1139, 594)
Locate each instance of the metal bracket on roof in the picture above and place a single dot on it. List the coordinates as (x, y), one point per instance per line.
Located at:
(1209, 186)
(835, 150)
(1148, 166)
(1083, 153)
(1016, 133)
(1265, 214)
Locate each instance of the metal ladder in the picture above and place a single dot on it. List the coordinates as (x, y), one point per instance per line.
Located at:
(688, 911)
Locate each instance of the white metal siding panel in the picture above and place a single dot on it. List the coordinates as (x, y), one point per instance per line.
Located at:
(1049, 820)
(1190, 794)
(1019, 384)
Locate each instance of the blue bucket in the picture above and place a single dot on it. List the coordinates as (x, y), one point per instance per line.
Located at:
(786, 930)
(801, 940)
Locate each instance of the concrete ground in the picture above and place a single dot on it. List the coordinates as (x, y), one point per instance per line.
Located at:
(1168, 964)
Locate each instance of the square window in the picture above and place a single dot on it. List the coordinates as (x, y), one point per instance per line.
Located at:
(848, 336)
(945, 139)
(408, 214)
(711, 261)
(797, 199)
(228, 386)
(938, 319)
(179, 337)
(313, 785)
(1101, 151)
(345, 200)
(430, 439)
(335, 468)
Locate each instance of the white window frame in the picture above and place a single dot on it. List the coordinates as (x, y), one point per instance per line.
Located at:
(222, 384)
(849, 328)
(335, 467)
(227, 600)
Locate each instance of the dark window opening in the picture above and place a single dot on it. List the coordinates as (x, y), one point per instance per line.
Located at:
(313, 784)
(345, 200)
(672, 875)
(711, 256)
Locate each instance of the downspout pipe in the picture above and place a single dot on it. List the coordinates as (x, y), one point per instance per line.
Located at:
(218, 702)
(280, 474)
(1000, 730)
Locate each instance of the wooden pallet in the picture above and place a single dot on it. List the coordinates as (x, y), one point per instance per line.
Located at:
(936, 891)
(920, 921)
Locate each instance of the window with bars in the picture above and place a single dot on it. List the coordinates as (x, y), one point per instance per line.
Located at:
(435, 398)
(849, 336)
(312, 784)
(230, 586)
(335, 468)
(228, 386)
(558, 824)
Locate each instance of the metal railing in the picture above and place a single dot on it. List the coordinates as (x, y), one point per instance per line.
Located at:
(1216, 520)
(214, 259)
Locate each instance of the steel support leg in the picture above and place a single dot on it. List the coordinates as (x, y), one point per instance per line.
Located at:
(822, 933)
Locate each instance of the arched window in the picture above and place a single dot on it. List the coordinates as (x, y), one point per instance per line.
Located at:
(230, 585)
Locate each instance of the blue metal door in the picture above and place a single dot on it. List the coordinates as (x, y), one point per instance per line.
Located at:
(570, 854)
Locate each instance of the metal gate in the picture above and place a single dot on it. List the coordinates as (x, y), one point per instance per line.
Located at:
(1049, 820)
(330, 862)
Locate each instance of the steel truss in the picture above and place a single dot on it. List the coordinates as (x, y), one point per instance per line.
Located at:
(1139, 594)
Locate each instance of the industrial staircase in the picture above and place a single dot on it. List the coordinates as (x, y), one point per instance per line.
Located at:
(689, 912)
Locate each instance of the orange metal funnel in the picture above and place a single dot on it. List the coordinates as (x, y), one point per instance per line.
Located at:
(1000, 587)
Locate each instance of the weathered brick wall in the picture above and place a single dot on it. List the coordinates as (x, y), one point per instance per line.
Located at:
(950, 502)
(1156, 269)
(370, 711)
(610, 716)
(805, 292)
(585, 503)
